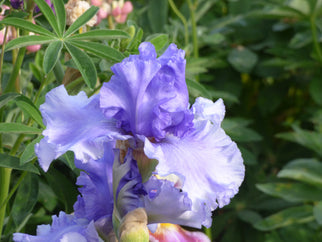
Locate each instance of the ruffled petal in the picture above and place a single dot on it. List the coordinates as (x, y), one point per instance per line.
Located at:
(210, 162)
(73, 123)
(174, 233)
(166, 204)
(64, 228)
(96, 200)
(149, 95)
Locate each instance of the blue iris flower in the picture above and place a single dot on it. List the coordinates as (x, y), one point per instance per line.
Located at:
(146, 106)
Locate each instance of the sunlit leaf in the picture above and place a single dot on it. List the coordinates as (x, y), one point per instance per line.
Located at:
(292, 192)
(305, 170)
(294, 215)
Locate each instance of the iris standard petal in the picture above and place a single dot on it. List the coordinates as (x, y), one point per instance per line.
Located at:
(64, 228)
(148, 94)
(73, 123)
(208, 159)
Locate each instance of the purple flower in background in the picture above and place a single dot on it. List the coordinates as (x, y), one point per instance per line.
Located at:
(16, 4)
(50, 5)
(64, 228)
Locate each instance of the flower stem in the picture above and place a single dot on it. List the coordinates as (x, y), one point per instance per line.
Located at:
(5, 174)
(315, 38)
(183, 19)
(13, 84)
(2, 55)
(192, 9)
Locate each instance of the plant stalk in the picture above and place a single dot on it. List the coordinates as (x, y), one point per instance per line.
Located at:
(5, 174)
(183, 20)
(192, 9)
(315, 38)
(13, 83)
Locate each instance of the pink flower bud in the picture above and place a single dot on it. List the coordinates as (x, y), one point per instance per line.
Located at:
(127, 7)
(33, 48)
(97, 3)
(116, 11)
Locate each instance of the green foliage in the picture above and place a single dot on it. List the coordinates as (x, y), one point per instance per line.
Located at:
(263, 58)
(61, 38)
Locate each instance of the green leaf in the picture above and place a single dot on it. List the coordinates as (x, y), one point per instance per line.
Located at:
(28, 40)
(305, 170)
(317, 212)
(158, 40)
(52, 55)
(100, 50)
(242, 59)
(292, 192)
(300, 40)
(60, 15)
(289, 216)
(315, 89)
(197, 90)
(29, 152)
(48, 13)
(14, 163)
(18, 128)
(26, 198)
(47, 197)
(99, 34)
(81, 21)
(238, 132)
(157, 14)
(26, 105)
(249, 216)
(309, 139)
(69, 159)
(26, 25)
(84, 64)
(64, 189)
(36, 71)
(5, 98)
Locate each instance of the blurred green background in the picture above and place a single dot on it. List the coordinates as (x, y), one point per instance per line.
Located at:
(264, 59)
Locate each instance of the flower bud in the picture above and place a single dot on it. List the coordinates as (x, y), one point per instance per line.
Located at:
(134, 226)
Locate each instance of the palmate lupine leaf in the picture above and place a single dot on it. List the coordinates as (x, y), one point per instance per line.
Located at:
(60, 15)
(49, 15)
(17, 128)
(26, 25)
(52, 54)
(9, 161)
(81, 21)
(84, 64)
(98, 49)
(26, 105)
(99, 34)
(28, 40)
